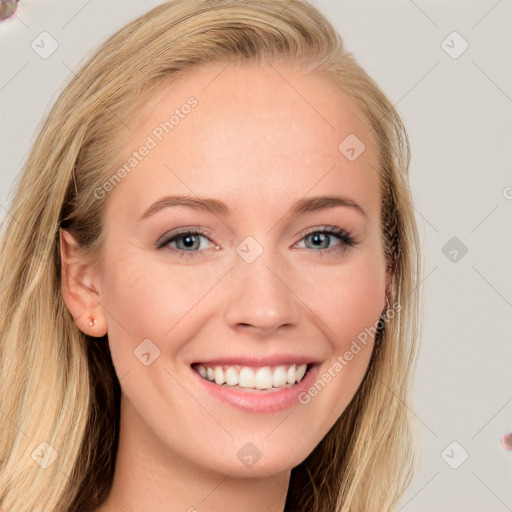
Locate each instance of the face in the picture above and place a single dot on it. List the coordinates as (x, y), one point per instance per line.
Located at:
(261, 277)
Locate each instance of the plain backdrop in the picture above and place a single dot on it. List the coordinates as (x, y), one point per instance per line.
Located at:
(446, 66)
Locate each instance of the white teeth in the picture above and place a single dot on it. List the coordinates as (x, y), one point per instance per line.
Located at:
(264, 377)
(279, 377)
(300, 372)
(290, 376)
(246, 379)
(218, 375)
(231, 376)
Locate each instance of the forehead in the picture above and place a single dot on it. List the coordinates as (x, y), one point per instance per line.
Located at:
(254, 129)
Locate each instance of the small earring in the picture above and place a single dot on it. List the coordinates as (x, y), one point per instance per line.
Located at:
(92, 322)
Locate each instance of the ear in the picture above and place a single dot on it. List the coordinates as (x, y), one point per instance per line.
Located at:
(79, 286)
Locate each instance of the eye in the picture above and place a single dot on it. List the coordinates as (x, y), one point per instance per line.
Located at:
(186, 241)
(322, 239)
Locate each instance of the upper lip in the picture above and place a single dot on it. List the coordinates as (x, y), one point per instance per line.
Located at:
(257, 361)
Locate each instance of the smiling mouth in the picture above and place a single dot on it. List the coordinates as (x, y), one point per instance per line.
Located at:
(253, 378)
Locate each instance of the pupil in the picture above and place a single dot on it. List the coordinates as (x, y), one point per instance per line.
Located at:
(189, 241)
(318, 238)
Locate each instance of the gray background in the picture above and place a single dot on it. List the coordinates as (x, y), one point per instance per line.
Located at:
(458, 111)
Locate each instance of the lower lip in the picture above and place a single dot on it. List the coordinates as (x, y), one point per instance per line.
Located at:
(259, 401)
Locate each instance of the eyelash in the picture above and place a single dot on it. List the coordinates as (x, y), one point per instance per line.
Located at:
(345, 238)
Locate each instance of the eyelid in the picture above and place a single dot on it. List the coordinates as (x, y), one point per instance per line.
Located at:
(323, 227)
(166, 237)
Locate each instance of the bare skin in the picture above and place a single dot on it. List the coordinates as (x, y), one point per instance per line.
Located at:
(258, 145)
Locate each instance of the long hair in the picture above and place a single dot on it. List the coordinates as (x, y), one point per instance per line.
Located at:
(59, 394)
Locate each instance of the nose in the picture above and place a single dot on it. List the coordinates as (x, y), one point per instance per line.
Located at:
(261, 297)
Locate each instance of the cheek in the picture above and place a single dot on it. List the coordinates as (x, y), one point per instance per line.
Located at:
(348, 299)
(352, 308)
(154, 304)
(352, 305)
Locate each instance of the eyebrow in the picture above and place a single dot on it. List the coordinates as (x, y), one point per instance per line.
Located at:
(303, 205)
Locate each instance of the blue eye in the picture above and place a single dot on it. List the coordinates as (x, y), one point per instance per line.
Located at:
(187, 242)
(321, 239)
(191, 242)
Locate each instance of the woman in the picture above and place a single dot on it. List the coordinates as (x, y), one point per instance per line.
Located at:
(210, 276)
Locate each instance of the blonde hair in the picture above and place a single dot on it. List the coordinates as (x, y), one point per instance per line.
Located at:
(58, 386)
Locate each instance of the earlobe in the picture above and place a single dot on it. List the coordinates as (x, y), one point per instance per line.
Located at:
(78, 288)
